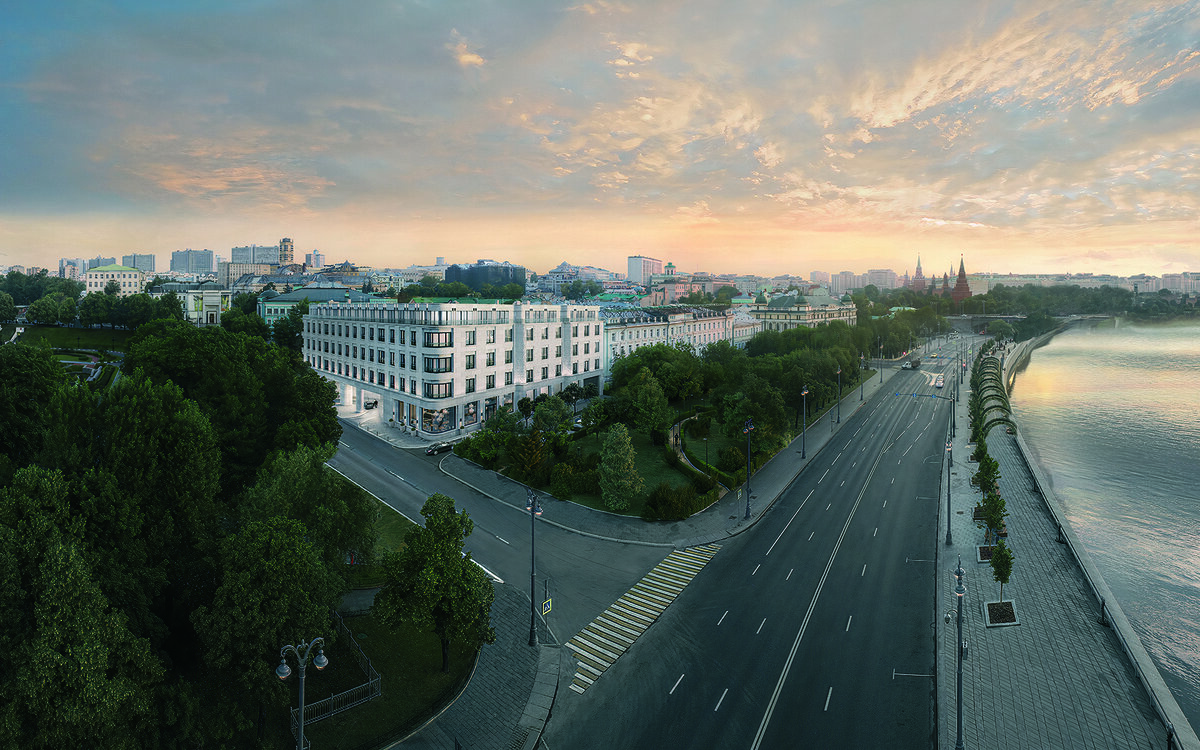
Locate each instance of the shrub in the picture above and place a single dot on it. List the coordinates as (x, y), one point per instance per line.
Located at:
(668, 503)
(671, 457)
(731, 459)
(562, 481)
(703, 483)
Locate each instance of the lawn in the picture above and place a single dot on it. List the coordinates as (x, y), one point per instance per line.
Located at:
(76, 338)
(650, 466)
(391, 528)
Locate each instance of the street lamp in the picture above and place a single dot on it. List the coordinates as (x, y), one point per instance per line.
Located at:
(748, 429)
(861, 367)
(839, 374)
(949, 453)
(804, 423)
(959, 591)
(535, 509)
(706, 466)
(283, 670)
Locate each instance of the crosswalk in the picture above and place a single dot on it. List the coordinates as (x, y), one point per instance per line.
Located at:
(603, 641)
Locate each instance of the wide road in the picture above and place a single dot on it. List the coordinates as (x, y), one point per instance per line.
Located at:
(815, 628)
(582, 575)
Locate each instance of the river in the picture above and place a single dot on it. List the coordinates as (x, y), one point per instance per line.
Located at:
(1112, 414)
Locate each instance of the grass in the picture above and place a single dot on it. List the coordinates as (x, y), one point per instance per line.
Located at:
(409, 662)
(391, 528)
(75, 338)
(650, 466)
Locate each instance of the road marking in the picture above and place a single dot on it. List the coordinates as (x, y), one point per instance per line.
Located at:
(810, 536)
(490, 574)
(501, 539)
(372, 494)
(848, 623)
(885, 503)
(787, 664)
(764, 622)
(756, 567)
(836, 458)
(602, 642)
(343, 444)
(789, 523)
(896, 674)
(864, 571)
(676, 685)
(789, 575)
(722, 617)
(876, 531)
(719, 701)
(828, 696)
(893, 480)
(827, 507)
(823, 476)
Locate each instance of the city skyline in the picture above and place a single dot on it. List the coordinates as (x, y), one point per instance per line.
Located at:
(762, 138)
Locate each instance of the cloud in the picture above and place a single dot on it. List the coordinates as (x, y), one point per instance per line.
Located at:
(462, 52)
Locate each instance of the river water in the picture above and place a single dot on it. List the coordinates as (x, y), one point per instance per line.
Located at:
(1112, 413)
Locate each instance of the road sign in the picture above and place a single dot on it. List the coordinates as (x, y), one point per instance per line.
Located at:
(546, 607)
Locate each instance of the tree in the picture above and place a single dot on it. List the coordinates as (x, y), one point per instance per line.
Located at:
(648, 407)
(66, 311)
(29, 378)
(236, 321)
(551, 416)
(44, 311)
(112, 288)
(619, 478)
(432, 583)
(168, 307)
(512, 291)
(288, 331)
(525, 406)
(994, 511)
(133, 310)
(95, 309)
(1002, 565)
(572, 394)
(8, 309)
(247, 302)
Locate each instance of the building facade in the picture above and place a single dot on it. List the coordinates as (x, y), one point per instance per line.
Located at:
(442, 367)
(640, 269)
(261, 254)
(143, 262)
(783, 313)
(487, 272)
(192, 261)
(131, 280)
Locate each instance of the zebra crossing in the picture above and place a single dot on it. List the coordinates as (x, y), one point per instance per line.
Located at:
(603, 641)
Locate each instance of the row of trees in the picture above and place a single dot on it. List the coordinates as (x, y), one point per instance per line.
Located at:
(992, 508)
(160, 541)
(432, 286)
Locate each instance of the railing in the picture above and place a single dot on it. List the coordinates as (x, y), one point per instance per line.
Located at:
(348, 699)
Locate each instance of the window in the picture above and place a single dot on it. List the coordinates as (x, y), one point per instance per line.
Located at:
(587, 330)
(545, 352)
(558, 371)
(491, 381)
(574, 330)
(529, 376)
(508, 357)
(391, 381)
(354, 332)
(470, 338)
(586, 365)
(587, 348)
(412, 340)
(412, 386)
(470, 363)
(508, 334)
(438, 339)
(381, 334)
(439, 390)
(574, 368)
(402, 360)
(372, 355)
(491, 359)
(574, 348)
(355, 352)
(392, 359)
(392, 336)
(470, 385)
(545, 333)
(558, 351)
(529, 334)
(372, 334)
(412, 363)
(545, 372)
(490, 336)
(528, 355)
(508, 378)
(597, 363)
(439, 364)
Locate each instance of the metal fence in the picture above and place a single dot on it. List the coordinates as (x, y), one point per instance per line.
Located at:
(348, 699)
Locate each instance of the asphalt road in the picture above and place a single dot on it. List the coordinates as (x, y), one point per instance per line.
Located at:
(581, 575)
(815, 628)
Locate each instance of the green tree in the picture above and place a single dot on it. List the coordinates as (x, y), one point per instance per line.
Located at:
(274, 590)
(8, 309)
(1000, 329)
(168, 307)
(29, 378)
(44, 311)
(71, 673)
(525, 406)
(247, 302)
(648, 407)
(133, 310)
(95, 309)
(512, 291)
(236, 321)
(112, 288)
(619, 478)
(288, 331)
(432, 583)
(571, 394)
(551, 416)
(1002, 565)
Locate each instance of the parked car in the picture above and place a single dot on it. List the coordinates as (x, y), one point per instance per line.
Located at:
(437, 448)
(577, 424)
(371, 404)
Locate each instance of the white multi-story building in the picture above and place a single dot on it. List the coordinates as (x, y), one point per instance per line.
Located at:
(131, 280)
(783, 313)
(641, 268)
(443, 367)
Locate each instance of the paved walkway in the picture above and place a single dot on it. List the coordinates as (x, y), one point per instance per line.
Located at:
(1060, 678)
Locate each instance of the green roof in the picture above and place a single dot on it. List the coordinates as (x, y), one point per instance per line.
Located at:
(113, 268)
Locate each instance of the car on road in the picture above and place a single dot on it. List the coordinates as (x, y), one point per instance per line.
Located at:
(906, 366)
(437, 448)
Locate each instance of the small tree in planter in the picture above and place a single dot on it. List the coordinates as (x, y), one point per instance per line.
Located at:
(994, 512)
(1002, 564)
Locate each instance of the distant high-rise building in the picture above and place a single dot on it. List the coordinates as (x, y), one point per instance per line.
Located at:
(268, 254)
(98, 261)
(486, 272)
(140, 261)
(287, 252)
(642, 268)
(314, 259)
(192, 261)
(882, 278)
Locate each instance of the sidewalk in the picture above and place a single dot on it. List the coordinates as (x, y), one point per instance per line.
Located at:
(1060, 678)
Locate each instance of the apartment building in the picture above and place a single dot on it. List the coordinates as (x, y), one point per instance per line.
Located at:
(444, 366)
(130, 280)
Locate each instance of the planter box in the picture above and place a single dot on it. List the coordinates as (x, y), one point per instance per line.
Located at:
(1001, 614)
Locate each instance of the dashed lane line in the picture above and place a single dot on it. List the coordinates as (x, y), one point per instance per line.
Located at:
(602, 642)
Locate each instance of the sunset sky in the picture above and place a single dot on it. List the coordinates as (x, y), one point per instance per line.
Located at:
(755, 136)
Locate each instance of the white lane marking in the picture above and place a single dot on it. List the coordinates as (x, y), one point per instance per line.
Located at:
(756, 567)
(876, 531)
(885, 503)
(676, 685)
(789, 575)
(719, 701)
(343, 444)
(372, 494)
(827, 507)
(848, 623)
(835, 459)
(501, 539)
(764, 622)
(828, 696)
(810, 536)
(491, 575)
(864, 571)
(823, 476)
(722, 617)
(789, 523)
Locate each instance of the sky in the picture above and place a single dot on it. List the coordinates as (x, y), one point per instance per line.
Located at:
(756, 136)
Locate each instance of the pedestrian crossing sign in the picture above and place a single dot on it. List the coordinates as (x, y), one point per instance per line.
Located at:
(546, 607)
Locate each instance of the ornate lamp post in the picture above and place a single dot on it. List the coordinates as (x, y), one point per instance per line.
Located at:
(534, 506)
(804, 424)
(861, 367)
(949, 453)
(301, 652)
(748, 429)
(839, 374)
(959, 591)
